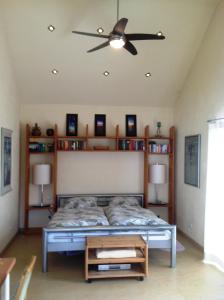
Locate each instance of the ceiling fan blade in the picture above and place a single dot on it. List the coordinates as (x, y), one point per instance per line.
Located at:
(143, 36)
(92, 34)
(120, 25)
(99, 47)
(130, 48)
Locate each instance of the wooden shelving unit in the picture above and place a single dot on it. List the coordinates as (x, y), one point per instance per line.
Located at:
(139, 264)
(170, 140)
(111, 144)
(53, 154)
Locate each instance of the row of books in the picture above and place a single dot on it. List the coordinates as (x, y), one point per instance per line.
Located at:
(70, 145)
(159, 148)
(35, 147)
(131, 145)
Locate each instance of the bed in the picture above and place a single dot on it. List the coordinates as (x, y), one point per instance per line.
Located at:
(69, 227)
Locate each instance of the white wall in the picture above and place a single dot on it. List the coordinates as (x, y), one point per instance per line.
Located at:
(9, 118)
(202, 99)
(95, 172)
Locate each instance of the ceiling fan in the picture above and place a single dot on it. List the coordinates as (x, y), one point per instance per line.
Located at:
(118, 38)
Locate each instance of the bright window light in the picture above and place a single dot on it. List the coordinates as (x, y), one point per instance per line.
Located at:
(214, 242)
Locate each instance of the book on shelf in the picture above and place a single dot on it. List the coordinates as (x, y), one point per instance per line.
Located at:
(133, 145)
(35, 147)
(70, 145)
(159, 148)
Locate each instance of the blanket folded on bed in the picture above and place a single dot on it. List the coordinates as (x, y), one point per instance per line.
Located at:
(115, 253)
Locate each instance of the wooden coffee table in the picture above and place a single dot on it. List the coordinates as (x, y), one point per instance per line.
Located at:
(139, 264)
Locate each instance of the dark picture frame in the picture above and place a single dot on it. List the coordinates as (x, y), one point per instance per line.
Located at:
(100, 125)
(192, 160)
(6, 160)
(131, 125)
(71, 124)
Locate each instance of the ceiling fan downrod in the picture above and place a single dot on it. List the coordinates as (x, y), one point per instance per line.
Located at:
(118, 9)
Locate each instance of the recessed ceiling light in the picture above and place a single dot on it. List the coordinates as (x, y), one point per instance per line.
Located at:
(100, 30)
(106, 73)
(159, 33)
(51, 28)
(54, 71)
(148, 74)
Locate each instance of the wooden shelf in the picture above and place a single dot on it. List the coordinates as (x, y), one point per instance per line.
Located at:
(170, 205)
(159, 153)
(42, 137)
(102, 137)
(135, 271)
(131, 138)
(69, 137)
(114, 142)
(52, 157)
(40, 207)
(103, 150)
(151, 204)
(40, 153)
(93, 260)
(130, 150)
(159, 138)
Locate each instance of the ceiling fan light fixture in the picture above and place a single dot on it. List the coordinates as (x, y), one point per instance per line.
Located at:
(117, 42)
(159, 33)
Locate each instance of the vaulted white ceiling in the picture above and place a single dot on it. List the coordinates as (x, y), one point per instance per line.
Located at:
(35, 51)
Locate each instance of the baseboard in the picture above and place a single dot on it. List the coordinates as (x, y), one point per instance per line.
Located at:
(9, 244)
(190, 240)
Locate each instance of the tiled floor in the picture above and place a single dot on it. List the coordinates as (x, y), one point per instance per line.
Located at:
(191, 279)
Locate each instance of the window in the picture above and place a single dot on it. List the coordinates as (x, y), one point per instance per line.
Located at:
(214, 211)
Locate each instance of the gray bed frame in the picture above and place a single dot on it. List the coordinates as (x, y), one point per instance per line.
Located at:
(74, 238)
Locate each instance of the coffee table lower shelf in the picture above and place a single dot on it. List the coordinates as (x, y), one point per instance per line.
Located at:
(134, 272)
(139, 264)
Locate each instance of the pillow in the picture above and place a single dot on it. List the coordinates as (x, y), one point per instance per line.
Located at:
(81, 202)
(128, 201)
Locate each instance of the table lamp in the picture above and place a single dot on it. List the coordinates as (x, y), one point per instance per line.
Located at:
(157, 176)
(42, 176)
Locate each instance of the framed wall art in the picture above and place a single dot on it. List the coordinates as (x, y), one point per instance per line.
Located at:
(100, 125)
(192, 160)
(6, 160)
(131, 125)
(71, 124)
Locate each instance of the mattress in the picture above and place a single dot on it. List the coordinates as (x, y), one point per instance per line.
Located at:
(131, 215)
(93, 216)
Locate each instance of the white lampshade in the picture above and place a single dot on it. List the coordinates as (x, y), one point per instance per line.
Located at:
(157, 173)
(41, 174)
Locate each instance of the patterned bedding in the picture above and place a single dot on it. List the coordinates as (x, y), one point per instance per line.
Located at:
(131, 215)
(82, 211)
(91, 216)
